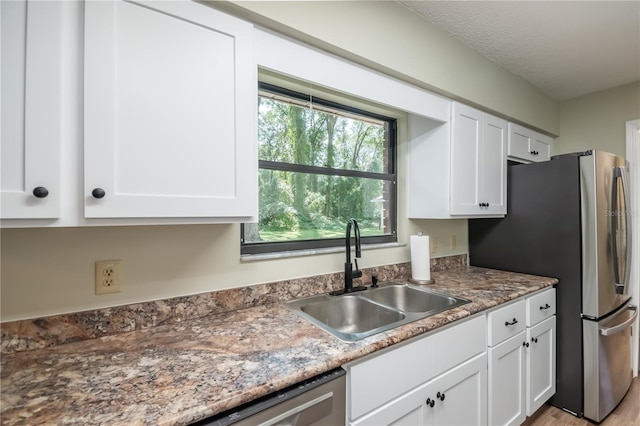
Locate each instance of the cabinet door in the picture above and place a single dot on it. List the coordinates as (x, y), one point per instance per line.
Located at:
(460, 394)
(465, 147)
(170, 111)
(520, 141)
(31, 98)
(541, 364)
(541, 147)
(411, 409)
(506, 381)
(493, 166)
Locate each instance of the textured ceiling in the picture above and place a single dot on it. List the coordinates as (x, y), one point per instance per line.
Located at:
(565, 48)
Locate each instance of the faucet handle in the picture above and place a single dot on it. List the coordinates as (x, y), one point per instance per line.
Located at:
(374, 280)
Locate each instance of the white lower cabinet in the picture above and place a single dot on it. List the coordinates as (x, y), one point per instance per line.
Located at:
(541, 364)
(495, 368)
(507, 381)
(463, 397)
(439, 379)
(456, 397)
(521, 355)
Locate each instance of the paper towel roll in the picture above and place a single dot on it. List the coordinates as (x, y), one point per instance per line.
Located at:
(420, 259)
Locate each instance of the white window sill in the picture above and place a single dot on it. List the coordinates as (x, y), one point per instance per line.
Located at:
(312, 252)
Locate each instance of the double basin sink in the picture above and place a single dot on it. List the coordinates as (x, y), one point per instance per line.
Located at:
(354, 316)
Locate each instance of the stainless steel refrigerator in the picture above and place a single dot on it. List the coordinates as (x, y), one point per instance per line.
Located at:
(569, 218)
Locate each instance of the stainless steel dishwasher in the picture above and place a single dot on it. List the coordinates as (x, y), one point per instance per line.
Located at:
(318, 401)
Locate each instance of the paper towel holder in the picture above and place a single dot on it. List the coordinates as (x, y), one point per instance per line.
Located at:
(422, 282)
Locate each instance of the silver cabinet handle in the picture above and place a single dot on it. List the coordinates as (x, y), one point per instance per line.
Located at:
(621, 327)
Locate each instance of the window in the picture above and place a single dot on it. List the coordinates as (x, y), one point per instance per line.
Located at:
(320, 164)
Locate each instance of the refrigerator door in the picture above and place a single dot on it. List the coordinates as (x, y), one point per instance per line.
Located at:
(607, 362)
(606, 233)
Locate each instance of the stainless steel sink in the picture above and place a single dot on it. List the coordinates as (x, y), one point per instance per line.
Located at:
(354, 316)
(350, 315)
(410, 299)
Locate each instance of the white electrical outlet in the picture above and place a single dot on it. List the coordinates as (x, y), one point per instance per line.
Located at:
(108, 277)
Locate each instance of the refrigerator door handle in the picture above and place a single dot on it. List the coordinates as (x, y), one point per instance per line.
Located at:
(623, 326)
(620, 260)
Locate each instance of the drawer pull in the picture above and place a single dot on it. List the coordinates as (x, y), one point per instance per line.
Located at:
(431, 402)
(525, 344)
(534, 339)
(514, 322)
(440, 396)
(546, 306)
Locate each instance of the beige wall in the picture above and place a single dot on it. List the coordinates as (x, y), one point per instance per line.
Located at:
(597, 121)
(49, 271)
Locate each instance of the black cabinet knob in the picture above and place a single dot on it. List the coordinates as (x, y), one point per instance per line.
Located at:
(514, 322)
(440, 396)
(40, 192)
(431, 402)
(546, 306)
(534, 339)
(525, 344)
(98, 193)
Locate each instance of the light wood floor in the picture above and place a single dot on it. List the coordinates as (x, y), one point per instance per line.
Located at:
(625, 414)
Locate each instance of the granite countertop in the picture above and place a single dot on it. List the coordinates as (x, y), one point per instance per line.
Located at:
(180, 373)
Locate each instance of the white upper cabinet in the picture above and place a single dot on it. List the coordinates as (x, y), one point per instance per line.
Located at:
(526, 145)
(170, 112)
(458, 169)
(478, 163)
(31, 133)
(127, 113)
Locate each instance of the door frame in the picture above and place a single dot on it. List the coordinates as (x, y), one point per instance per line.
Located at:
(633, 157)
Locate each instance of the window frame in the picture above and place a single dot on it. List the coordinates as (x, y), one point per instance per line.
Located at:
(254, 248)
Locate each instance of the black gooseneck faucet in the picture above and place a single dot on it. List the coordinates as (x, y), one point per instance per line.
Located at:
(349, 272)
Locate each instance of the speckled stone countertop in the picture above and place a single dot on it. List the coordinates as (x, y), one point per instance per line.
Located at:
(176, 374)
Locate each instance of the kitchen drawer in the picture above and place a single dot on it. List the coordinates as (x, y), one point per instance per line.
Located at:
(506, 322)
(541, 306)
